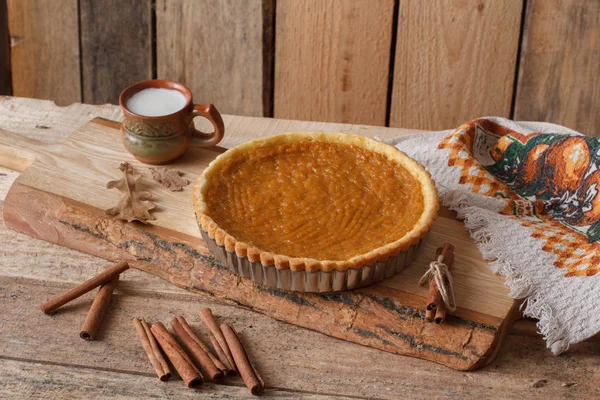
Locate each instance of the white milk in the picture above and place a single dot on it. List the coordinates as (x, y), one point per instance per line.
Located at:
(154, 102)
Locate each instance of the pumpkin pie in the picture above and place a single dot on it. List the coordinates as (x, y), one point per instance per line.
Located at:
(315, 202)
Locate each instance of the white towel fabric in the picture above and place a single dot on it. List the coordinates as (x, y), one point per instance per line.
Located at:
(529, 193)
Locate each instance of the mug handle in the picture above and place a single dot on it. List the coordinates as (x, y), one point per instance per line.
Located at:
(211, 113)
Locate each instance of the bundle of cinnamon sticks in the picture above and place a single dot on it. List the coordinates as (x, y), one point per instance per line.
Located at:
(436, 308)
(107, 281)
(191, 358)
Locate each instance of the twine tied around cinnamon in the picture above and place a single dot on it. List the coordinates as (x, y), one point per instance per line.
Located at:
(440, 273)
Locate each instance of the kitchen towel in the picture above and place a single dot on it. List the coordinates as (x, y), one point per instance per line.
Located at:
(529, 194)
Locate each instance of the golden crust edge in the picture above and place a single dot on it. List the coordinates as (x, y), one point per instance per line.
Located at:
(431, 204)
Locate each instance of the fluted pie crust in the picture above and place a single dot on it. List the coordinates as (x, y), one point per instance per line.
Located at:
(221, 171)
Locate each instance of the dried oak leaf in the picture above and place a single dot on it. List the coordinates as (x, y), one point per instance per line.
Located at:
(169, 178)
(134, 204)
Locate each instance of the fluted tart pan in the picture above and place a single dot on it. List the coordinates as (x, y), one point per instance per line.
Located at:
(311, 274)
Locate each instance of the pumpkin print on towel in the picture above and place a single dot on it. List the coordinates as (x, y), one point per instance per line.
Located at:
(550, 182)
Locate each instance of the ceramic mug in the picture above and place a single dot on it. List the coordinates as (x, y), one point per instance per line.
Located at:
(162, 139)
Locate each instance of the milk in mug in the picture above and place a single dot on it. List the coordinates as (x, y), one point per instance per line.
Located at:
(155, 102)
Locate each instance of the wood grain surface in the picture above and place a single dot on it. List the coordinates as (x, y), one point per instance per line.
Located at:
(64, 190)
(116, 47)
(44, 121)
(325, 60)
(45, 49)
(455, 61)
(292, 359)
(332, 60)
(559, 77)
(216, 48)
(5, 79)
(59, 382)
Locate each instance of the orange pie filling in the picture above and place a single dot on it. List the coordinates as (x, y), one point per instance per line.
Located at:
(310, 199)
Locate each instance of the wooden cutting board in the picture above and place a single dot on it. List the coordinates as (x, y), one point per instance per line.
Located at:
(60, 196)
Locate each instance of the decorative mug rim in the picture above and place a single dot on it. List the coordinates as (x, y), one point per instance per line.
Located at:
(158, 84)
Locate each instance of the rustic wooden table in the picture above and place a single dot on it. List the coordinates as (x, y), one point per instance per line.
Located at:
(42, 356)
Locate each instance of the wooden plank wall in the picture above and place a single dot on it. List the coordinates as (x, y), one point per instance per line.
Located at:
(44, 53)
(410, 63)
(455, 61)
(215, 47)
(332, 60)
(559, 78)
(102, 48)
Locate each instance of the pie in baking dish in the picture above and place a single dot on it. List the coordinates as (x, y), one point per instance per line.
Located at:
(315, 201)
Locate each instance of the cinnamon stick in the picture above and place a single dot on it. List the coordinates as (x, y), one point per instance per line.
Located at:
(214, 359)
(152, 350)
(440, 313)
(178, 357)
(435, 298)
(98, 309)
(221, 354)
(219, 342)
(205, 348)
(81, 289)
(247, 370)
(195, 347)
(429, 315)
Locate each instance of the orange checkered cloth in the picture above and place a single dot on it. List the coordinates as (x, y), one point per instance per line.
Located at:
(529, 193)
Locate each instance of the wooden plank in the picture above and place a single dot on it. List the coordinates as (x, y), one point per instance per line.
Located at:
(67, 209)
(215, 48)
(332, 60)
(45, 49)
(71, 222)
(559, 76)
(116, 47)
(87, 186)
(307, 359)
(527, 327)
(372, 316)
(5, 79)
(63, 267)
(455, 61)
(288, 357)
(31, 380)
(44, 121)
